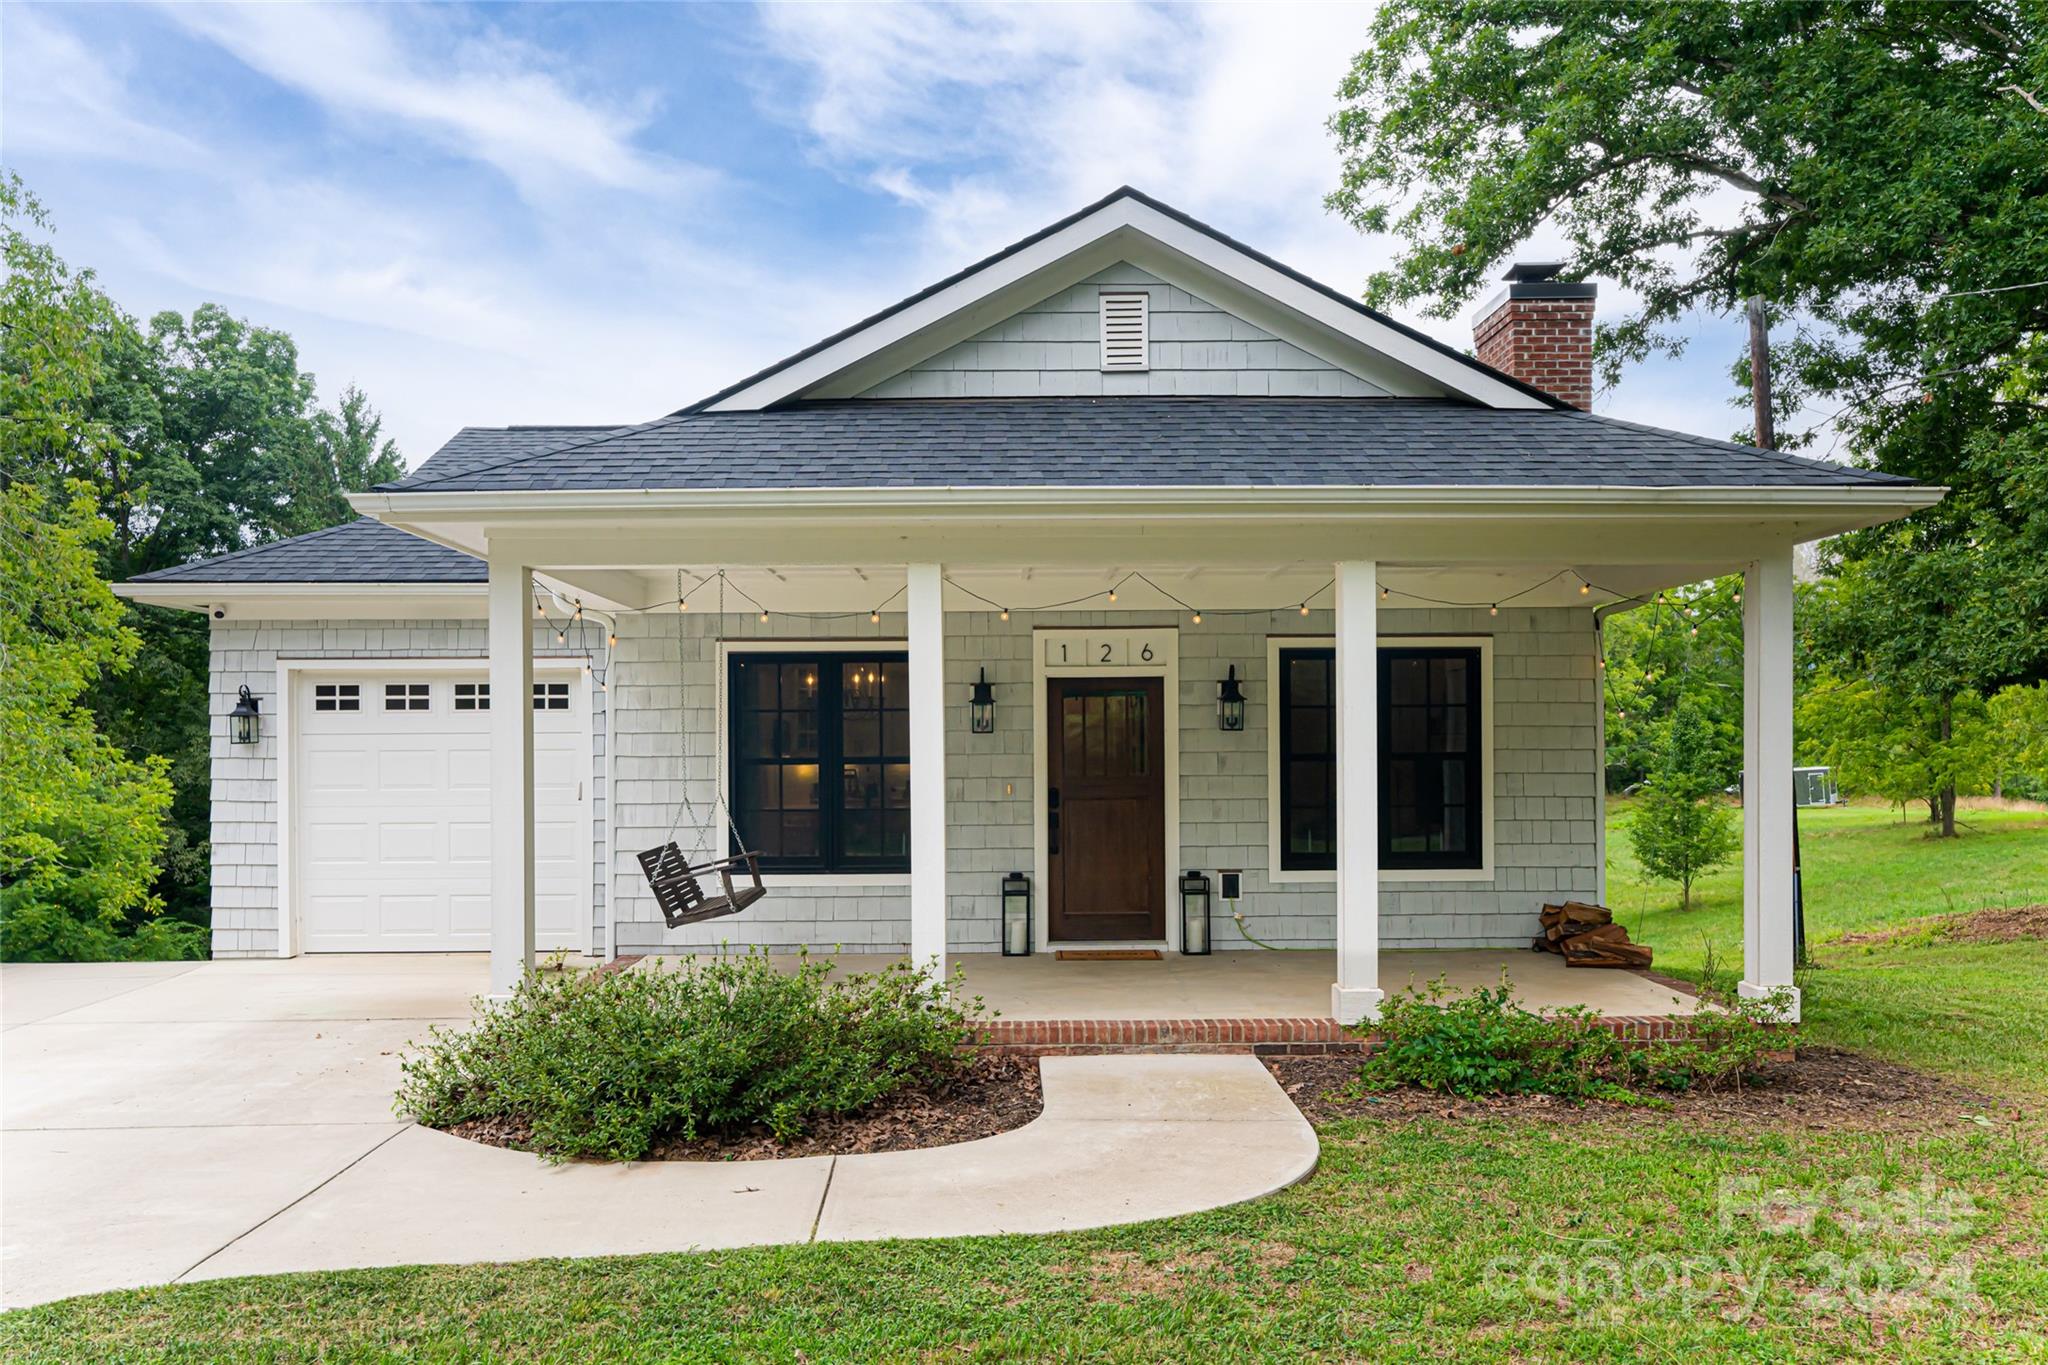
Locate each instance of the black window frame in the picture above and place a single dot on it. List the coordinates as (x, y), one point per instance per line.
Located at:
(1474, 858)
(1283, 701)
(832, 859)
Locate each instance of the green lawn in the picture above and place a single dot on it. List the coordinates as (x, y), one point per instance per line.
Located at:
(1432, 1240)
(1975, 1011)
(1435, 1239)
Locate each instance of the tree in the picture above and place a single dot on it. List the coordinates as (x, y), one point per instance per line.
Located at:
(1681, 829)
(1877, 172)
(1685, 645)
(81, 824)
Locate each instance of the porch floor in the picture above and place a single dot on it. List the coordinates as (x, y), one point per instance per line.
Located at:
(1270, 985)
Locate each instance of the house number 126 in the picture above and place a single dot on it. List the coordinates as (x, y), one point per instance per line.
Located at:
(1097, 651)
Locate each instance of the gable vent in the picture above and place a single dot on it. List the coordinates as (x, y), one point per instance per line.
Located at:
(1124, 332)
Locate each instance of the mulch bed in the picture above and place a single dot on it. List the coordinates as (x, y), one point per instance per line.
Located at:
(1999, 924)
(994, 1094)
(1819, 1088)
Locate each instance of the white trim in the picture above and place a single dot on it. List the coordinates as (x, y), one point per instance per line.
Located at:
(290, 666)
(1599, 758)
(1284, 499)
(1109, 232)
(1486, 871)
(1166, 642)
(721, 717)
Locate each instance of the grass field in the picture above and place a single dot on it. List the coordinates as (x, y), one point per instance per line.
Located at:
(1975, 1011)
(1601, 1236)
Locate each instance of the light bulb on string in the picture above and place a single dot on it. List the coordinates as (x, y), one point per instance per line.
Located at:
(1198, 618)
(874, 618)
(1384, 592)
(1493, 609)
(1304, 609)
(561, 637)
(1584, 587)
(611, 640)
(764, 616)
(579, 612)
(1112, 594)
(1004, 614)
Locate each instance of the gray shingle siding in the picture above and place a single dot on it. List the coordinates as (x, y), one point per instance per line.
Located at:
(1054, 349)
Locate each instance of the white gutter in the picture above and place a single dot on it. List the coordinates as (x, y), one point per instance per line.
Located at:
(1231, 498)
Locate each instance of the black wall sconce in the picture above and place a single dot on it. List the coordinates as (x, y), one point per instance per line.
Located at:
(1230, 702)
(245, 722)
(981, 707)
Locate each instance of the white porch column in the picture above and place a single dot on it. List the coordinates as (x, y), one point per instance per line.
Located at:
(511, 643)
(1767, 777)
(1356, 994)
(927, 769)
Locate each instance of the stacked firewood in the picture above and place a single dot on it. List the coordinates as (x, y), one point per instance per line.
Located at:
(1587, 936)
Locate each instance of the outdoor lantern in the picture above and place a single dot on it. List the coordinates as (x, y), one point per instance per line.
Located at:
(245, 722)
(981, 710)
(1230, 702)
(1016, 915)
(1194, 914)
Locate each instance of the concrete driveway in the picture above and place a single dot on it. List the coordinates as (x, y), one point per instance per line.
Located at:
(179, 1121)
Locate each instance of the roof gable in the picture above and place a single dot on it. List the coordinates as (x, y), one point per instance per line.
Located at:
(1195, 349)
(1129, 228)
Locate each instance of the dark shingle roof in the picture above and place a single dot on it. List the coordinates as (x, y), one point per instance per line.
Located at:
(361, 551)
(366, 551)
(1141, 442)
(475, 447)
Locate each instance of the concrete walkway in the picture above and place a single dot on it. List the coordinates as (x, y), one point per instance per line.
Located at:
(173, 1122)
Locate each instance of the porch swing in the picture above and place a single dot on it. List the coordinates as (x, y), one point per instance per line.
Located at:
(679, 884)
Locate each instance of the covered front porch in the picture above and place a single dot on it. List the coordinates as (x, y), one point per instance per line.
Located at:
(1268, 987)
(1231, 592)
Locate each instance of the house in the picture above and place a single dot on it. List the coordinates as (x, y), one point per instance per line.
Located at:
(1124, 472)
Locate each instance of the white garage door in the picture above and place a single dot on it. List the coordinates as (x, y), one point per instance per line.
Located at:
(391, 778)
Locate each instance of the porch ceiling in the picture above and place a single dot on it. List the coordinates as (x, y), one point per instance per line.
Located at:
(1139, 587)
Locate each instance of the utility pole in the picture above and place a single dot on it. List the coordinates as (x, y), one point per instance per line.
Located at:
(1760, 374)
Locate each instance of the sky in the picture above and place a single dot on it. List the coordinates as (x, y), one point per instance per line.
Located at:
(595, 213)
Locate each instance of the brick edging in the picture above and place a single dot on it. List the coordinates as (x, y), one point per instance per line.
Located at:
(1263, 1037)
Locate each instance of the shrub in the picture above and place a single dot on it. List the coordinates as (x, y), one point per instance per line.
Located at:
(1483, 1043)
(607, 1064)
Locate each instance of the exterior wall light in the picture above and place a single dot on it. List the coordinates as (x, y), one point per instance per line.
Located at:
(1230, 702)
(981, 707)
(245, 722)
(1016, 915)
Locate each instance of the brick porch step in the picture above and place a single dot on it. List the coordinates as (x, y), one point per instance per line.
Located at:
(1261, 1037)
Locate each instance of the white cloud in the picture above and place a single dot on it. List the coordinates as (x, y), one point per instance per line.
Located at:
(475, 92)
(65, 98)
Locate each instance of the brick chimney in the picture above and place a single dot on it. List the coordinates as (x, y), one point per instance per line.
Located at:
(1540, 330)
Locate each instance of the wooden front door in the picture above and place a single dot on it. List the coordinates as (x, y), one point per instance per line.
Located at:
(1105, 816)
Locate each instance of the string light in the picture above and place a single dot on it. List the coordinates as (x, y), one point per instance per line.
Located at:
(1304, 609)
(611, 640)
(1493, 609)
(1004, 614)
(1385, 592)
(561, 637)
(1198, 618)
(540, 611)
(874, 618)
(1112, 594)
(579, 612)
(1584, 587)
(682, 604)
